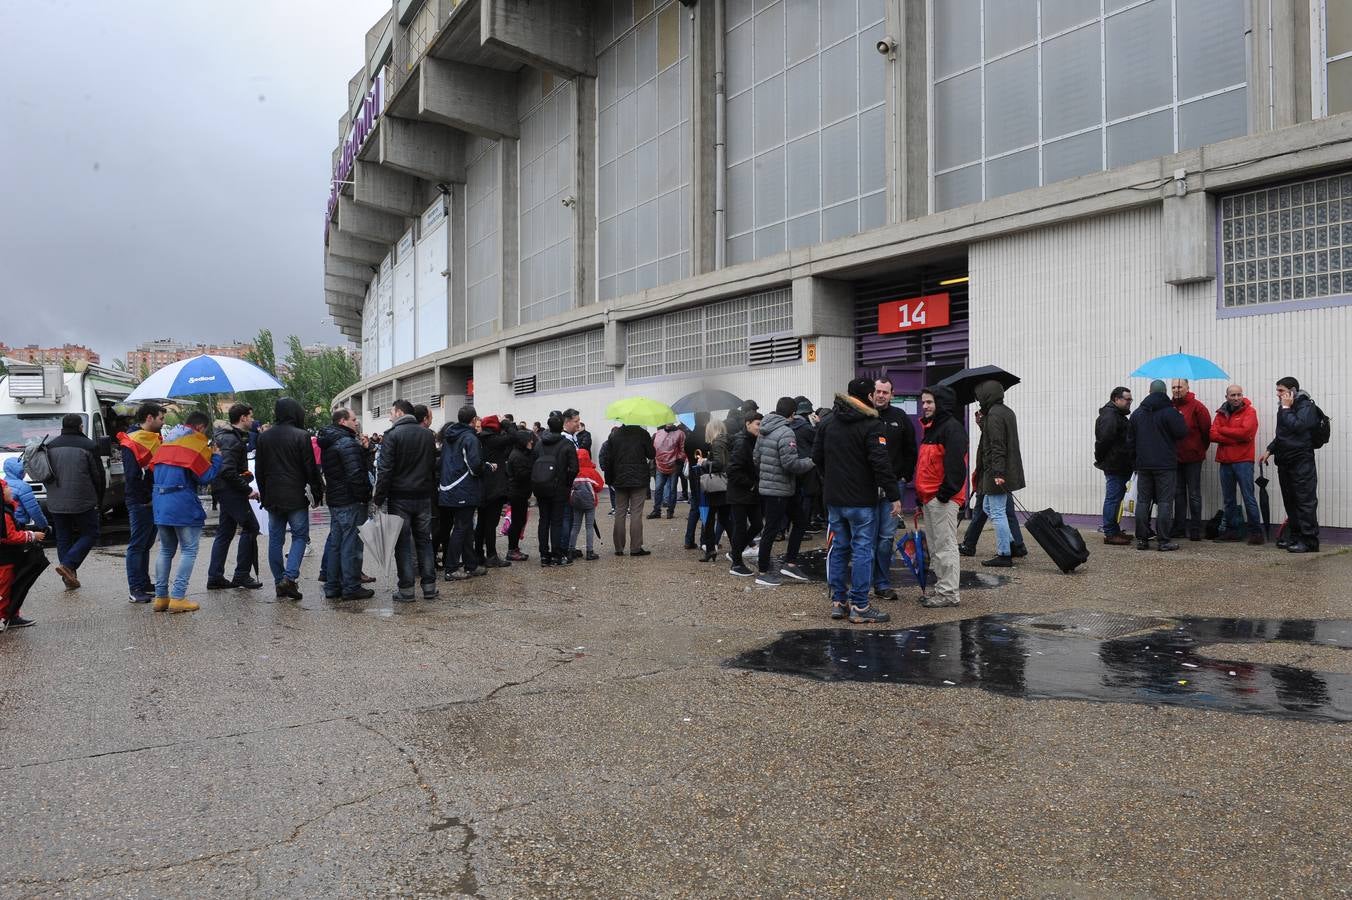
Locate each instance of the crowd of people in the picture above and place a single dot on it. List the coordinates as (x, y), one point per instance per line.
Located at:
(756, 479)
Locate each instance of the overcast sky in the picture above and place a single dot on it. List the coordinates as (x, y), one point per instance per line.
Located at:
(164, 166)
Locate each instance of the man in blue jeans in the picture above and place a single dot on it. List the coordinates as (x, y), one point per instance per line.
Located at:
(74, 496)
(1234, 431)
(285, 465)
(901, 452)
(406, 477)
(851, 455)
(348, 490)
(1113, 455)
(138, 447)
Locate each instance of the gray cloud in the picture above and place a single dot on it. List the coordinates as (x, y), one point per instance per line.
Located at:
(164, 167)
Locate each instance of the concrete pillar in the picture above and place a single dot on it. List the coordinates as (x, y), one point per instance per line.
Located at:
(822, 307)
(1190, 248)
(703, 129)
(471, 98)
(614, 347)
(458, 296)
(348, 247)
(508, 234)
(544, 34)
(348, 286)
(505, 364)
(908, 112)
(422, 149)
(386, 190)
(368, 224)
(346, 268)
(1279, 87)
(584, 209)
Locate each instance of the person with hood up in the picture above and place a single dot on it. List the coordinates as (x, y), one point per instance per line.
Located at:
(669, 450)
(696, 446)
(779, 466)
(999, 466)
(495, 446)
(1298, 419)
(406, 478)
(74, 496)
(232, 490)
(21, 559)
(941, 489)
(584, 518)
(518, 490)
(348, 491)
(552, 476)
(460, 491)
(851, 454)
(1191, 454)
(284, 466)
(624, 460)
(1112, 455)
(1233, 431)
(27, 510)
(743, 494)
(1156, 430)
(183, 462)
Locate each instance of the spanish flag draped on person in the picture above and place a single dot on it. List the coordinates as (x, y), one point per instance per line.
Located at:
(183, 447)
(142, 443)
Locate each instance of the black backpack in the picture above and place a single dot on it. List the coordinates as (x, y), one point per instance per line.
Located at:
(1323, 429)
(544, 472)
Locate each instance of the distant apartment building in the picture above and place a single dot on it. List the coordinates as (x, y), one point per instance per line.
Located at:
(56, 355)
(154, 355)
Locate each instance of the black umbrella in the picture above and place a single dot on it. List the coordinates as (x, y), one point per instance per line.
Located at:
(1263, 505)
(964, 383)
(706, 401)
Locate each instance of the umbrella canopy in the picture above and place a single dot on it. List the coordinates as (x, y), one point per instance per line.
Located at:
(204, 374)
(379, 535)
(640, 411)
(1180, 365)
(964, 383)
(1264, 505)
(706, 401)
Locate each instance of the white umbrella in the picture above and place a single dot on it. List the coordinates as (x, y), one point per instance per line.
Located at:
(379, 535)
(204, 374)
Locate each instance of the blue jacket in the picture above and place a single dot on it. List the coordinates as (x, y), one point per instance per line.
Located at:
(139, 482)
(175, 499)
(461, 465)
(27, 511)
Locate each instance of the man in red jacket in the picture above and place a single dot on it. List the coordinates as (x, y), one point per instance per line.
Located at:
(1191, 454)
(1233, 432)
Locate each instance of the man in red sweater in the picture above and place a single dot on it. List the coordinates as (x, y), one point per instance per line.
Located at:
(1233, 432)
(1191, 454)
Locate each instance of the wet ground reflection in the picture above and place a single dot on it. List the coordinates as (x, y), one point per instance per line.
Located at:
(1053, 657)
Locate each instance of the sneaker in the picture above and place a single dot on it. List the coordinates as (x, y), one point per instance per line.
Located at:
(965, 550)
(1142, 545)
(741, 571)
(68, 576)
(640, 552)
(140, 597)
(1283, 543)
(591, 557)
(478, 571)
(937, 601)
(457, 575)
(359, 594)
(546, 562)
(1018, 550)
(287, 590)
(218, 584)
(768, 579)
(1302, 547)
(182, 604)
(496, 562)
(791, 570)
(1256, 539)
(867, 615)
(884, 594)
(433, 594)
(655, 514)
(838, 609)
(1166, 546)
(404, 596)
(517, 556)
(611, 513)
(1117, 540)
(248, 583)
(998, 562)
(18, 622)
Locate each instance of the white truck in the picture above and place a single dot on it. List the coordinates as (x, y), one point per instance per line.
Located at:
(34, 397)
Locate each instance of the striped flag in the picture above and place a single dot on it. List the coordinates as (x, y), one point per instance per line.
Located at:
(184, 448)
(142, 443)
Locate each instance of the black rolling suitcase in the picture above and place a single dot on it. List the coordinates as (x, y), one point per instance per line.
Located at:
(1061, 542)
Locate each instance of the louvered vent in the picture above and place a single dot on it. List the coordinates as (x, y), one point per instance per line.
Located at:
(764, 351)
(523, 386)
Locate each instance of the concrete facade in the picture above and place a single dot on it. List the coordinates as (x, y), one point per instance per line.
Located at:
(1143, 236)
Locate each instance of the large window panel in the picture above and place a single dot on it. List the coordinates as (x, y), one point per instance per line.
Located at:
(957, 188)
(1141, 138)
(1011, 102)
(1211, 51)
(546, 180)
(1212, 119)
(957, 23)
(483, 263)
(1012, 173)
(1070, 82)
(1009, 24)
(801, 16)
(804, 174)
(957, 127)
(1139, 59)
(1058, 15)
(1072, 157)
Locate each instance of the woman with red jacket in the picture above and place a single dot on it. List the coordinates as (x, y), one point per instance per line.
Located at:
(1233, 432)
(584, 517)
(21, 562)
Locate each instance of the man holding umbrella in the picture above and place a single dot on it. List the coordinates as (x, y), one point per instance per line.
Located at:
(1233, 432)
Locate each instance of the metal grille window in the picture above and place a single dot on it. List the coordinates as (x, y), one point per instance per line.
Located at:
(418, 388)
(718, 336)
(572, 361)
(1029, 92)
(546, 180)
(806, 145)
(381, 398)
(643, 143)
(483, 256)
(1331, 46)
(1292, 242)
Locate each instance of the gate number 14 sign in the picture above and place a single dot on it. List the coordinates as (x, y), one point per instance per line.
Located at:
(915, 314)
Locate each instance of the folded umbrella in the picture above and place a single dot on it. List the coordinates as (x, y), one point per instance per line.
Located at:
(1180, 365)
(379, 535)
(964, 383)
(1264, 505)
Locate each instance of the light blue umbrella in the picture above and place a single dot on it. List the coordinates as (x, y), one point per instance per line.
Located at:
(204, 375)
(1180, 365)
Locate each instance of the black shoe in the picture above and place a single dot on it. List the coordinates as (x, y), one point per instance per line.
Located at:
(565, 560)
(838, 608)
(287, 590)
(16, 622)
(640, 552)
(1302, 547)
(140, 597)
(433, 594)
(965, 550)
(591, 557)
(769, 579)
(708, 556)
(741, 571)
(998, 562)
(1018, 550)
(457, 575)
(791, 570)
(655, 514)
(1194, 535)
(218, 584)
(1283, 543)
(689, 545)
(404, 596)
(1166, 546)
(884, 594)
(247, 583)
(359, 594)
(545, 562)
(478, 571)
(1142, 545)
(619, 553)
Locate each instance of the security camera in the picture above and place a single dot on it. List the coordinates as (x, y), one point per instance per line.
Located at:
(887, 45)
(444, 188)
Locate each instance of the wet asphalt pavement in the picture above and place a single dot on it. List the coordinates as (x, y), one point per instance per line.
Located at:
(592, 733)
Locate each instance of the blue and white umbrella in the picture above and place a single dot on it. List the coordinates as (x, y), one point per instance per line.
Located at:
(204, 375)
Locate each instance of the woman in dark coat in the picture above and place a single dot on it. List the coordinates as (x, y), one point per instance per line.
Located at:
(743, 501)
(716, 463)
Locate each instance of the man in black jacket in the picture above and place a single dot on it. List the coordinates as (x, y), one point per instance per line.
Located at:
(624, 460)
(139, 483)
(406, 476)
(1112, 454)
(552, 476)
(851, 454)
(348, 489)
(232, 492)
(744, 509)
(1298, 419)
(495, 445)
(74, 496)
(284, 466)
(901, 453)
(1156, 427)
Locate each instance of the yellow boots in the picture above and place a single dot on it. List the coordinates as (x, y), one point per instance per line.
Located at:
(175, 605)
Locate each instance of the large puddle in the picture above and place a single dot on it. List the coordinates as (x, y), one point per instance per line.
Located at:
(1082, 655)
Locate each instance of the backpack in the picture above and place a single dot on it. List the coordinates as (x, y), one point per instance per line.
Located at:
(583, 495)
(1323, 429)
(544, 472)
(37, 462)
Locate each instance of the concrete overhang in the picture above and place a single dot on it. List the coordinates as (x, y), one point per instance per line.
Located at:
(543, 34)
(369, 224)
(471, 98)
(354, 249)
(349, 286)
(346, 268)
(424, 150)
(385, 190)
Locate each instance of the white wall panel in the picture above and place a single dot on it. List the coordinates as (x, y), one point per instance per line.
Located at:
(433, 298)
(1073, 309)
(385, 316)
(405, 296)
